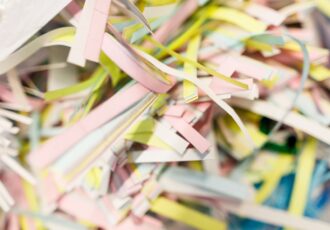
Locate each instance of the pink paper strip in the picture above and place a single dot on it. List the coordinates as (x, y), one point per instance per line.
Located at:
(88, 210)
(7, 96)
(77, 51)
(174, 23)
(146, 223)
(316, 95)
(188, 116)
(55, 147)
(189, 133)
(227, 66)
(266, 14)
(73, 8)
(252, 68)
(103, 6)
(203, 106)
(122, 58)
(96, 31)
(13, 223)
(175, 110)
(48, 189)
(220, 86)
(244, 65)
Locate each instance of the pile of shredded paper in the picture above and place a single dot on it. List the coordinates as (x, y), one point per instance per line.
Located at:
(164, 114)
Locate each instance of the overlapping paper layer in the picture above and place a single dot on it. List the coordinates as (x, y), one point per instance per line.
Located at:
(164, 114)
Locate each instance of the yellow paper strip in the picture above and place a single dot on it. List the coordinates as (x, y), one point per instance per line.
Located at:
(238, 18)
(195, 165)
(188, 216)
(324, 6)
(109, 140)
(190, 91)
(31, 199)
(292, 46)
(93, 177)
(303, 178)
(98, 77)
(147, 139)
(272, 179)
(198, 65)
(183, 38)
(319, 72)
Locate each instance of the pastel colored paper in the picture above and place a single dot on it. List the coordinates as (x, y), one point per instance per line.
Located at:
(164, 114)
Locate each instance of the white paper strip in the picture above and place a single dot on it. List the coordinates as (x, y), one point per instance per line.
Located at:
(21, 19)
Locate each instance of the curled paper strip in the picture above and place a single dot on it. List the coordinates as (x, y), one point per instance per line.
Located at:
(164, 114)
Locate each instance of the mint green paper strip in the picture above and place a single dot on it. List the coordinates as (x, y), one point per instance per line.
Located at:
(269, 39)
(242, 167)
